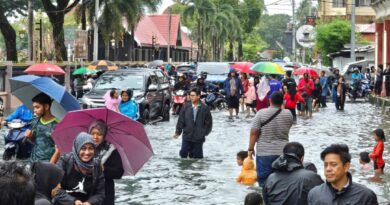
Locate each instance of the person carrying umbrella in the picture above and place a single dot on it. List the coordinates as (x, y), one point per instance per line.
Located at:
(42, 127)
(109, 159)
(83, 181)
(195, 122)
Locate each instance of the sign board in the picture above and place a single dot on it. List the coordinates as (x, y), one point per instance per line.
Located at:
(305, 36)
(81, 44)
(311, 20)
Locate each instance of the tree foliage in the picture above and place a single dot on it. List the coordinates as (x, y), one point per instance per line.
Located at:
(272, 28)
(331, 37)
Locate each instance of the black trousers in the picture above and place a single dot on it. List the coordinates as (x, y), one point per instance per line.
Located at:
(378, 87)
(294, 113)
(323, 101)
(340, 102)
(191, 149)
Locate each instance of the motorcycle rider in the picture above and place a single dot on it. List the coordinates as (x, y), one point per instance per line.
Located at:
(25, 115)
(356, 80)
(180, 85)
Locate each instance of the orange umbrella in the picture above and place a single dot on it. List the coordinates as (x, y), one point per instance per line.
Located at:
(44, 69)
(103, 65)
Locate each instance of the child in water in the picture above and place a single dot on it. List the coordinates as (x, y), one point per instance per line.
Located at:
(377, 154)
(241, 155)
(364, 161)
(248, 175)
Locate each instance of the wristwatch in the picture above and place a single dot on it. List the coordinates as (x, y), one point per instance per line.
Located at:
(251, 150)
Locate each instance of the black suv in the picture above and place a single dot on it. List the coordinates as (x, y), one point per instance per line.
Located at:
(151, 91)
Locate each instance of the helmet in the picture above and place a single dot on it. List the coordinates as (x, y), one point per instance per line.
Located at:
(355, 69)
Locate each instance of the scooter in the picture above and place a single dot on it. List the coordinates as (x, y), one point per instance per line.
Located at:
(15, 143)
(360, 89)
(216, 100)
(179, 98)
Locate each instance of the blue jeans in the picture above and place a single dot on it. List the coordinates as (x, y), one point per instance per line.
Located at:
(264, 167)
(191, 149)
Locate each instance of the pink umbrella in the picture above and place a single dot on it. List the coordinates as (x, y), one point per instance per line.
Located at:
(244, 67)
(128, 136)
(312, 73)
(44, 69)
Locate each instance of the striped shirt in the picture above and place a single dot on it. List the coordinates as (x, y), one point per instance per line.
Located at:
(274, 135)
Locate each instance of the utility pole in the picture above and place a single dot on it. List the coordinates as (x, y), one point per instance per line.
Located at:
(95, 32)
(169, 36)
(293, 30)
(30, 30)
(353, 59)
(40, 39)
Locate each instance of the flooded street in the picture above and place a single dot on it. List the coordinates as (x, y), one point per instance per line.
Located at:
(167, 179)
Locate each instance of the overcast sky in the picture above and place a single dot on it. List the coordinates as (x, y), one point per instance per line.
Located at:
(273, 6)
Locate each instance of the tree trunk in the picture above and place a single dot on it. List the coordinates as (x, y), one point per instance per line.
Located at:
(83, 17)
(9, 36)
(107, 50)
(240, 52)
(58, 37)
(56, 14)
(198, 52)
(132, 44)
(230, 54)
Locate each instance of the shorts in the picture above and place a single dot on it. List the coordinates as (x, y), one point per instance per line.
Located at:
(251, 105)
(233, 102)
(264, 167)
(376, 166)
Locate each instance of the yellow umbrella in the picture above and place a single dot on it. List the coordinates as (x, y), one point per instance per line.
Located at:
(103, 65)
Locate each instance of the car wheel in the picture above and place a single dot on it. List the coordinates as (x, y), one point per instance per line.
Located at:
(166, 114)
(145, 118)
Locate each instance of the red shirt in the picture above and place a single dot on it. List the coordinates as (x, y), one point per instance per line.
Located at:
(291, 104)
(245, 84)
(309, 89)
(376, 155)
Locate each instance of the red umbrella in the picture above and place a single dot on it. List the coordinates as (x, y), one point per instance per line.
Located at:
(312, 73)
(44, 69)
(244, 67)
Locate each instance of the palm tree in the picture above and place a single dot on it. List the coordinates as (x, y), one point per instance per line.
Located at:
(201, 10)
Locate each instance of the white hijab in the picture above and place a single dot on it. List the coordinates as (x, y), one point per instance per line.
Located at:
(263, 88)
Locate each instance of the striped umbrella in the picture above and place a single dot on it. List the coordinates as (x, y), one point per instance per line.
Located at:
(103, 65)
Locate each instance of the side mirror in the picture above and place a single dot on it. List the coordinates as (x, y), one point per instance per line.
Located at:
(152, 87)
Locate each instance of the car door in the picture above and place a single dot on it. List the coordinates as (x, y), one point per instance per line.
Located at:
(152, 96)
(163, 86)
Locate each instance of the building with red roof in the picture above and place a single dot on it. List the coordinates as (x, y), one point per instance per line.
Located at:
(151, 37)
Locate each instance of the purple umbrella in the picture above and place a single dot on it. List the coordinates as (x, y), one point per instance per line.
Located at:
(128, 136)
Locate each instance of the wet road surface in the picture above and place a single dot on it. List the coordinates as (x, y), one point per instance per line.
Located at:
(167, 179)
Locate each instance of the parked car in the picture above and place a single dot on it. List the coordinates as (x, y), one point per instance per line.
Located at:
(216, 72)
(151, 91)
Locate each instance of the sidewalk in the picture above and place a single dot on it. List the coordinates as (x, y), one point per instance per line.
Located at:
(383, 102)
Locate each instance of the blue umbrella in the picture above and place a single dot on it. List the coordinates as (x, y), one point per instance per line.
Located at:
(25, 87)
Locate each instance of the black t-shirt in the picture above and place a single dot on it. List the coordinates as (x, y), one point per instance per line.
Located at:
(288, 82)
(78, 185)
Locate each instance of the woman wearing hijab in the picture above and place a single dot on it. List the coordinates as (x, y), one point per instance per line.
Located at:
(47, 179)
(83, 180)
(127, 106)
(109, 158)
(262, 92)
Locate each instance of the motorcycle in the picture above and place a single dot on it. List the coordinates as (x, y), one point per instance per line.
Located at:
(215, 100)
(179, 98)
(15, 143)
(359, 89)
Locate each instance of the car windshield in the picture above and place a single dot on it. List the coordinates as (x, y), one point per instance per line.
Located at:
(183, 68)
(120, 81)
(213, 68)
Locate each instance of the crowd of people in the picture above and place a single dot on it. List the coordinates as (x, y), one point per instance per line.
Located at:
(86, 175)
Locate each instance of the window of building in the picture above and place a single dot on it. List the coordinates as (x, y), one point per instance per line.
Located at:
(338, 3)
(359, 58)
(362, 3)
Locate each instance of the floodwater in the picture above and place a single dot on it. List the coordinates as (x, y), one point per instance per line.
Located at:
(167, 179)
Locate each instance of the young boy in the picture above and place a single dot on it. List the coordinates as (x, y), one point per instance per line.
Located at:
(241, 155)
(364, 161)
(42, 127)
